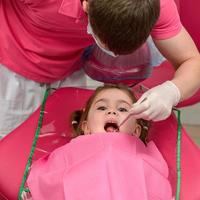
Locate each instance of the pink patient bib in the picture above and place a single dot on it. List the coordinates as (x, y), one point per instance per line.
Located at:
(101, 167)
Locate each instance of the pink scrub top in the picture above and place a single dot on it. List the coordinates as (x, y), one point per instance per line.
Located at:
(101, 166)
(43, 40)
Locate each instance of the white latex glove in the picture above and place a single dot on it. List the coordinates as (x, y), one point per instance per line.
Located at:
(156, 104)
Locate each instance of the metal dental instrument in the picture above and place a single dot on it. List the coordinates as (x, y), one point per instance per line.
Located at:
(141, 89)
(124, 120)
(129, 115)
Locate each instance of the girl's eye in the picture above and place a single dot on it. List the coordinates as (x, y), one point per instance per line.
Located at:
(123, 109)
(101, 108)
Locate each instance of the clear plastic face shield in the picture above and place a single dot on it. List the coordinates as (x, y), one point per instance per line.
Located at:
(89, 31)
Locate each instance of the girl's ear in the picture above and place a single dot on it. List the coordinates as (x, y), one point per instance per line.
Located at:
(137, 130)
(85, 128)
(85, 6)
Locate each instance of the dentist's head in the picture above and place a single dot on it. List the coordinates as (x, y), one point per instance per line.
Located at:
(121, 26)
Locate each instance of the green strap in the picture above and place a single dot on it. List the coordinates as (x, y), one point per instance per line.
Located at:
(22, 187)
(178, 156)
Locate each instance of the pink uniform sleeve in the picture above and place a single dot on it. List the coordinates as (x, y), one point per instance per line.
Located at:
(168, 24)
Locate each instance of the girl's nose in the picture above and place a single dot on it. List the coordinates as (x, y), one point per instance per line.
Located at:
(112, 113)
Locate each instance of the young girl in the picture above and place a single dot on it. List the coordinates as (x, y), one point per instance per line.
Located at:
(89, 120)
(108, 162)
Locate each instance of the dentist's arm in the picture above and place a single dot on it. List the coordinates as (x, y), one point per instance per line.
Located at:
(181, 51)
(183, 54)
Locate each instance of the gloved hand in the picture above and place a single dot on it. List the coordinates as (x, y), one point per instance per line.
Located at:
(156, 104)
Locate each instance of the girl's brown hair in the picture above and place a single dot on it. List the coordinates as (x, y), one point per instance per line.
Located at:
(81, 115)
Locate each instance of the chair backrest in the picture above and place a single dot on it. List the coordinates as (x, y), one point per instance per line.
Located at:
(164, 134)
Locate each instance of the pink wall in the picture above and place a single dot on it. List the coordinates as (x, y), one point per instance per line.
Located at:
(190, 17)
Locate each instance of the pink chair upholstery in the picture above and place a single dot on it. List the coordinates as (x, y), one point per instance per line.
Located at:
(164, 134)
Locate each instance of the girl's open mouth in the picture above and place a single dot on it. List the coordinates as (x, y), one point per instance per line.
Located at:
(111, 127)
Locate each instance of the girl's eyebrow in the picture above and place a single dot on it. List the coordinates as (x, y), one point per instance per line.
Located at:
(103, 99)
(123, 101)
(106, 100)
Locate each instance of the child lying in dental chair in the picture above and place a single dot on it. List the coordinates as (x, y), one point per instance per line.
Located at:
(105, 161)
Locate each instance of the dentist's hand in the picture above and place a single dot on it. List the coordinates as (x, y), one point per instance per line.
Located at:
(156, 104)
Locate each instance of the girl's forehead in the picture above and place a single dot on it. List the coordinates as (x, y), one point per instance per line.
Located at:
(113, 94)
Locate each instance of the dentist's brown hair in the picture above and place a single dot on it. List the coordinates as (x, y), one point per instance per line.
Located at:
(123, 25)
